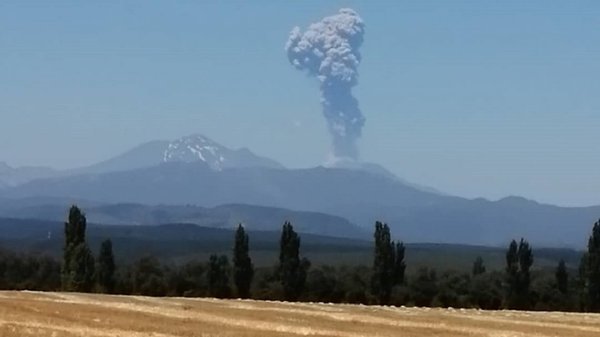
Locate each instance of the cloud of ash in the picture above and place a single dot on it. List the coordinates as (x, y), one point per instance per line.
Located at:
(329, 51)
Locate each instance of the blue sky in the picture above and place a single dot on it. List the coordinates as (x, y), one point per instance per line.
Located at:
(474, 98)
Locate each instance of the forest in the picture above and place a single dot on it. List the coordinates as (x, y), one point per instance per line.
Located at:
(386, 281)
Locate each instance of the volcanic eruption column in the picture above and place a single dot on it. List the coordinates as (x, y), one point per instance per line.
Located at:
(328, 50)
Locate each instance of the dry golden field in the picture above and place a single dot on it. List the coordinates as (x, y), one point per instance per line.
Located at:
(68, 314)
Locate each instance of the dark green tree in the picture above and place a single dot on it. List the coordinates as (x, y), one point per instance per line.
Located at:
(148, 277)
(562, 278)
(28, 272)
(292, 270)
(218, 276)
(424, 287)
(190, 280)
(525, 263)
(323, 285)
(453, 289)
(356, 282)
(77, 270)
(478, 266)
(546, 295)
(105, 268)
(512, 264)
(582, 282)
(486, 290)
(519, 259)
(399, 264)
(243, 269)
(591, 271)
(384, 262)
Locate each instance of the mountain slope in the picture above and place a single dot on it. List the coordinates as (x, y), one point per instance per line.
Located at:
(377, 170)
(224, 216)
(197, 147)
(11, 176)
(358, 196)
(144, 155)
(196, 183)
(189, 149)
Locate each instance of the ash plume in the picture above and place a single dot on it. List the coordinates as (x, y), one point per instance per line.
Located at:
(329, 51)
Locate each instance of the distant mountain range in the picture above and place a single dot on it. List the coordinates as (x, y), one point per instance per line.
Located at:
(189, 149)
(12, 176)
(172, 242)
(195, 170)
(255, 218)
(177, 243)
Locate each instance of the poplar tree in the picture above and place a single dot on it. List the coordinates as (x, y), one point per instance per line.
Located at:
(384, 261)
(590, 270)
(105, 268)
(582, 282)
(478, 266)
(562, 277)
(218, 276)
(243, 269)
(77, 270)
(399, 264)
(292, 270)
(519, 259)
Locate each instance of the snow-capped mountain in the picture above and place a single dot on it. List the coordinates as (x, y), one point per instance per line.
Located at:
(198, 148)
(193, 148)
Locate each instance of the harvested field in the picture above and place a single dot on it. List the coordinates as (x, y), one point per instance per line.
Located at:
(70, 314)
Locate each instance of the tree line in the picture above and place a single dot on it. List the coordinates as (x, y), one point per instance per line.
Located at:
(385, 282)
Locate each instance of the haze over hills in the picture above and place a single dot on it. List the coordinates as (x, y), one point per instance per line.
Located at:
(177, 242)
(192, 148)
(255, 218)
(195, 170)
(12, 176)
(173, 241)
(349, 164)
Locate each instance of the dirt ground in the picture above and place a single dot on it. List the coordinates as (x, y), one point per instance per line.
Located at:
(70, 314)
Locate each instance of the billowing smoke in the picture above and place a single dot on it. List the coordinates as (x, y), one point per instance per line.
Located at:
(328, 50)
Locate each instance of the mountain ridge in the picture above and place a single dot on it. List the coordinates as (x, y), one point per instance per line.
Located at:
(12, 176)
(361, 197)
(191, 148)
(196, 170)
(254, 217)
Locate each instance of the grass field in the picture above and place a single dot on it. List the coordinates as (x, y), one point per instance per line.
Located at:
(69, 314)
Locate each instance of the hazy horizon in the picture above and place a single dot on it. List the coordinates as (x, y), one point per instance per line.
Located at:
(474, 99)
